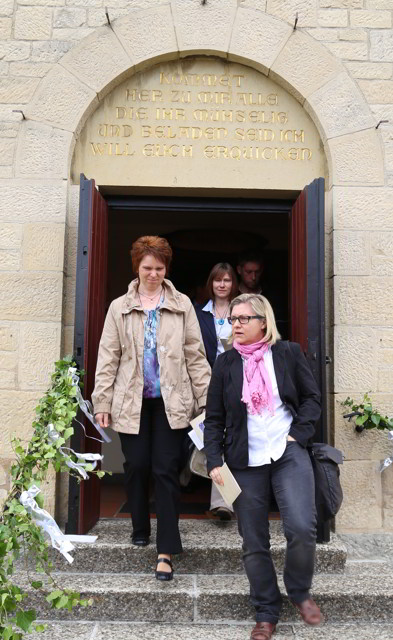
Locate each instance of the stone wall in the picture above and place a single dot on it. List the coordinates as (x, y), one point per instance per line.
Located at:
(59, 57)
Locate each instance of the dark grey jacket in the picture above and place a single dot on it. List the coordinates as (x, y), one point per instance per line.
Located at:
(226, 415)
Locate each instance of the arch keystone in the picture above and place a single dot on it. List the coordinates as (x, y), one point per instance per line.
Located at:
(338, 108)
(99, 61)
(61, 100)
(203, 26)
(257, 37)
(304, 65)
(147, 34)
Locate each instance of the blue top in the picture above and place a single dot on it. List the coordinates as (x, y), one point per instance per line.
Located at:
(151, 367)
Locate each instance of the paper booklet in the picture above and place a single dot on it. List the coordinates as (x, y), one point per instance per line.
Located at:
(230, 489)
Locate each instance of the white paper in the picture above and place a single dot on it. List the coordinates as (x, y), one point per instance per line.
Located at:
(196, 440)
(230, 490)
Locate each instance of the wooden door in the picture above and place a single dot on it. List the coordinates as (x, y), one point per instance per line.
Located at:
(90, 301)
(307, 292)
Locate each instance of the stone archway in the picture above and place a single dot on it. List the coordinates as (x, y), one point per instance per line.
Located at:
(238, 32)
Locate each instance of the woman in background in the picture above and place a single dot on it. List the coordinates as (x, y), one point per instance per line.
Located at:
(152, 377)
(221, 287)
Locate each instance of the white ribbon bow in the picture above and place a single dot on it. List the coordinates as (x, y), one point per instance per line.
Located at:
(85, 405)
(80, 467)
(388, 461)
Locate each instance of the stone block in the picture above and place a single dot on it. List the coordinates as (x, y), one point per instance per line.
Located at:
(385, 356)
(303, 66)
(8, 379)
(147, 34)
(328, 255)
(6, 7)
(387, 498)
(32, 202)
(44, 3)
(7, 150)
(43, 247)
(354, 357)
(9, 260)
(287, 10)
(4, 471)
(75, 34)
(9, 130)
(370, 70)
(385, 377)
(71, 247)
(342, 4)
(85, 3)
(17, 89)
(10, 236)
(5, 28)
(353, 35)
(67, 17)
(339, 108)
(362, 506)
(4, 68)
(364, 301)
(377, 91)
(332, 18)
(328, 211)
(387, 137)
(68, 341)
(97, 18)
(43, 152)
(73, 205)
(49, 51)
(33, 23)
(325, 35)
(98, 60)
(349, 50)
(35, 69)
(382, 253)
(258, 37)
(62, 100)
(6, 172)
(39, 348)
(8, 360)
(386, 340)
(361, 146)
(381, 46)
(371, 19)
(10, 51)
(69, 300)
(17, 416)
(9, 335)
(352, 253)
(205, 27)
(31, 295)
(362, 208)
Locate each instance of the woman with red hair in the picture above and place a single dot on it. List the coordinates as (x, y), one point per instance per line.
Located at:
(151, 379)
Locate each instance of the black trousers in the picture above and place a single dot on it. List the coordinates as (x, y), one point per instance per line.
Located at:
(155, 451)
(291, 479)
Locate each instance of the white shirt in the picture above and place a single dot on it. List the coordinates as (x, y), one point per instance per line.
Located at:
(222, 330)
(267, 434)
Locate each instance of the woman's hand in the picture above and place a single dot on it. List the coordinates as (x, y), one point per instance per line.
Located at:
(103, 419)
(290, 439)
(216, 475)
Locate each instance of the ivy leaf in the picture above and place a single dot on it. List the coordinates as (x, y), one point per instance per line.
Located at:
(63, 602)
(37, 584)
(55, 594)
(40, 500)
(68, 433)
(40, 627)
(376, 419)
(361, 419)
(24, 619)
(100, 474)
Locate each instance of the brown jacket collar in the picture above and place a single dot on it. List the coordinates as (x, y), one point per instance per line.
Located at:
(173, 299)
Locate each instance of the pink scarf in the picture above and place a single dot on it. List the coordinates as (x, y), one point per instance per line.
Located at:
(257, 388)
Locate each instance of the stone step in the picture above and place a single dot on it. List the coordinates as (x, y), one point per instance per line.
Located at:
(364, 592)
(210, 546)
(146, 631)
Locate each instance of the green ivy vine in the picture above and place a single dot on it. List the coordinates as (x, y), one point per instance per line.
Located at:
(366, 416)
(19, 535)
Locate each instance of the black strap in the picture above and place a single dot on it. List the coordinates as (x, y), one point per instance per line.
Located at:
(159, 559)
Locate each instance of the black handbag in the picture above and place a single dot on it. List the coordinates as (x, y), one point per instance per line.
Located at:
(328, 492)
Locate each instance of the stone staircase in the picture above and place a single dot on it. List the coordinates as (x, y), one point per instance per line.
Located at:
(208, 597)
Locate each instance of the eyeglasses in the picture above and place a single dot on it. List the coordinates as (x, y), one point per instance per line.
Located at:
(243, 319)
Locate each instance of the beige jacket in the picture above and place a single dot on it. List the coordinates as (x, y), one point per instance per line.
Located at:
(184, 370)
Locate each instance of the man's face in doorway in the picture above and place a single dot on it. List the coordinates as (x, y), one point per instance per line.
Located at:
(250, 274)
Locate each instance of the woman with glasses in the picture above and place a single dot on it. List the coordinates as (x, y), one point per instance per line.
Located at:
(221, 287)
(261, 410)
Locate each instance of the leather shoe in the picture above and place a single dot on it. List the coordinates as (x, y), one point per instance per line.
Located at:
(309, 611)
(140, 541)
(263, 631)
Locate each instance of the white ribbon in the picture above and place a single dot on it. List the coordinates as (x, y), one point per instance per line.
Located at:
(85, 405)
(80, 467)
(388, 461)
(44, 520)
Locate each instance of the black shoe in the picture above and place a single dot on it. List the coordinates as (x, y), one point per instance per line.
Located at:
(140, 541)
(164, 575)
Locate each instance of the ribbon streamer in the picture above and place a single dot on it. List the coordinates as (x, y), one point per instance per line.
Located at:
(85, 405)
(90, 458)
(388, 461)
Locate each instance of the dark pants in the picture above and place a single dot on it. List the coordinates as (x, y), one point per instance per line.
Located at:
(292, 480)
(155, 451)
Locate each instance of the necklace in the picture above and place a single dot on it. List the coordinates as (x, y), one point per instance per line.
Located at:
(151, 298)
(221, 317)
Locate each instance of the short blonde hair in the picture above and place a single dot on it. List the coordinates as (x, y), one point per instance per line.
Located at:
(261, 307)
